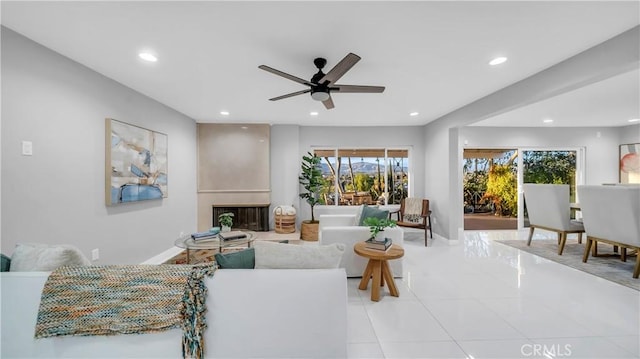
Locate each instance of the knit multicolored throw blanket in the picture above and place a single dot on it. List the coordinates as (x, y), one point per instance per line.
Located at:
(126, 299)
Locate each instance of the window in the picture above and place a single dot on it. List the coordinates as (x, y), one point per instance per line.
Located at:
(364, 175)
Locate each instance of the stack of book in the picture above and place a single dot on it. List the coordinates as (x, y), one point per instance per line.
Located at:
(201, 236)
(378, 245)
(227, 236)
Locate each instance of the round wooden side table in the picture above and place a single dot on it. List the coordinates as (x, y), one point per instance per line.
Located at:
(378, 268)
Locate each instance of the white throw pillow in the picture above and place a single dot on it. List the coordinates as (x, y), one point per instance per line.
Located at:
(296, 256)
(43, 257)
(359, 213)
(286, 210)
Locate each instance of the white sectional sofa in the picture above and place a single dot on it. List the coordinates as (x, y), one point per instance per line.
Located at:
(343, 228)
(266, 313)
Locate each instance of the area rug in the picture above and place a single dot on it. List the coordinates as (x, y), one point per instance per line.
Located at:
(610, 268)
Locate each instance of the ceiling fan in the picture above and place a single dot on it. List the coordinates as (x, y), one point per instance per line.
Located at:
(322, 85)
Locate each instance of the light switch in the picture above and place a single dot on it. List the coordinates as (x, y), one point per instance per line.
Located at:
(27, 148)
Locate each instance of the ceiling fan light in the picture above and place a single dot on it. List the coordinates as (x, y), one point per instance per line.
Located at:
(320, 96)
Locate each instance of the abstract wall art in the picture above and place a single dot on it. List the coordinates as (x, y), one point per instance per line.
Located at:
(136, 167)
(630, 163)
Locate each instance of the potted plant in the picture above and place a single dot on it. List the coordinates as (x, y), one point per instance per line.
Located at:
(226, 221)
(311, 180)
(377, 225)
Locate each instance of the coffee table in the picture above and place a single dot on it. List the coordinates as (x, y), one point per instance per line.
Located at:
(378, 268)
(189, 244)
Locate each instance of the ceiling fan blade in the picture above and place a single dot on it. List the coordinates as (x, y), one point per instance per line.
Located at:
(341, 68)
(290, 95)
(357, 88)
(285, 75)
(328, 103)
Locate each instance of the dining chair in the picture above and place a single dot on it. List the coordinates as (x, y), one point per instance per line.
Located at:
(610, 215)
(548, 209)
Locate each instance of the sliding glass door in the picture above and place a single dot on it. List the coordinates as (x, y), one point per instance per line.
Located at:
(490, 189)
(552, 166)
(493, 178)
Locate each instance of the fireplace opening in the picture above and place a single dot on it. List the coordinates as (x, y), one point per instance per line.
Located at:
(254, 217)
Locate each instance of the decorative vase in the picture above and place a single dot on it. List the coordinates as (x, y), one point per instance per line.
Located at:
(225, 229)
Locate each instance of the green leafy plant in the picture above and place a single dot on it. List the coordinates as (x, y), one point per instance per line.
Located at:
(377, 225)
(502, 190)
(311, 180)
(226, 219)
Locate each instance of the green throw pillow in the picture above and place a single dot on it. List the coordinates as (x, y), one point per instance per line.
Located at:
(372, 212)
(6, 263)
(245, 259)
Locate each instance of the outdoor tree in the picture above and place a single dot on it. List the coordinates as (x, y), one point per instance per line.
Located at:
(501, 189)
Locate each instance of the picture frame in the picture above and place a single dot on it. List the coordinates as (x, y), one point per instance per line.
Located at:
(629, 163)
(136, 163)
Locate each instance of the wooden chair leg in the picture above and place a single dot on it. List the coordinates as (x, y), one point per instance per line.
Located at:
(579, 238)
(430, 230)
(623, 254)
(559, 238)
(587, 248)
(563, 241)
(530, 235)
(636, 269)
(425, 235)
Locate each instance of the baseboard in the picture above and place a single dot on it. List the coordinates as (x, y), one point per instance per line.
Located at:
(164, 256)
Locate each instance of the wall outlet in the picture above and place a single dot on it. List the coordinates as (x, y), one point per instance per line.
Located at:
(95, 254)
(27, 148)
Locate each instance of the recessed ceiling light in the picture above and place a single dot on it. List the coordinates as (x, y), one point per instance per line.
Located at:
(244, 127)
(313, 113)
(414, 114)
(547, 120)
(497, 61)
(224, 113)
(634, 120)
(147, 56)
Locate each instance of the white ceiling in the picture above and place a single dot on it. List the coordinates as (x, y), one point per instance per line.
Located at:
(431, 56)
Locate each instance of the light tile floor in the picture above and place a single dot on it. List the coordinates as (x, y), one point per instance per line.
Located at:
(482, 299)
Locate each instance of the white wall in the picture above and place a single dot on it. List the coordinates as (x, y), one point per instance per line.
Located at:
(290, 143)
(57, 195)
(285, 168)
(629, 134)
